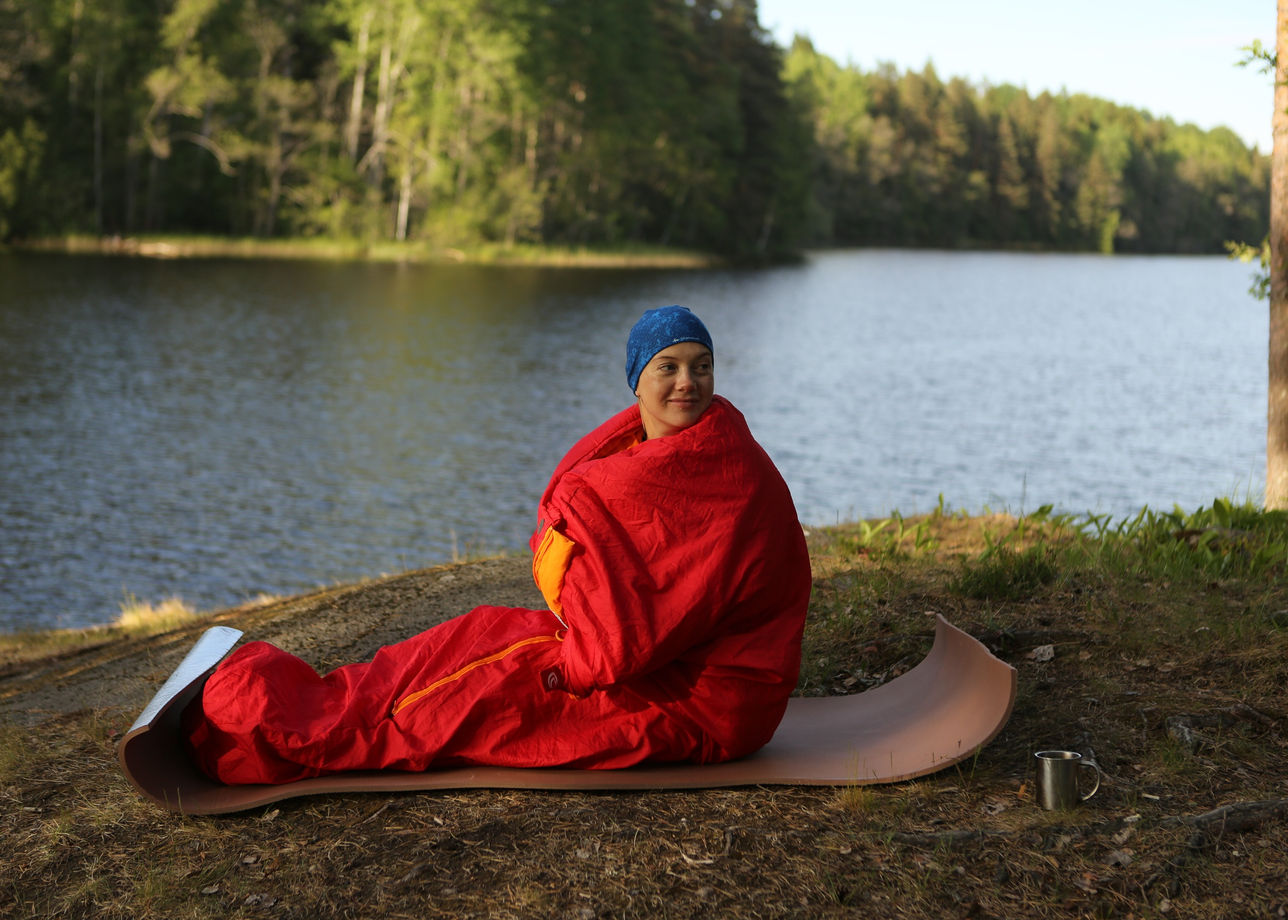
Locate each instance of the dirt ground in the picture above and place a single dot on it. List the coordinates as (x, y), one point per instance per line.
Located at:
(329, 628)
(1185, 713)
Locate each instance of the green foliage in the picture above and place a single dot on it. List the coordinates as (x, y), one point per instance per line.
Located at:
(455, 121)
(1226, 540)
(1246, 253)
(20, 153)
(582, 123)
(1259, 55)
(907, 158)
(889, 538)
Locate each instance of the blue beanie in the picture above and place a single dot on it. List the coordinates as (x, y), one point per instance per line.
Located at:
(658, 329)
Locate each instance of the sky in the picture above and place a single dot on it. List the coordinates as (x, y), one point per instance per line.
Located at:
(1171, 58)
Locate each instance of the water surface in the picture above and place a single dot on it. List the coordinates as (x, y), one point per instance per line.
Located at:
(216, 429)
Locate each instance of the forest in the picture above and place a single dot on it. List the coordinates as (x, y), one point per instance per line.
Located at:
(675, 123)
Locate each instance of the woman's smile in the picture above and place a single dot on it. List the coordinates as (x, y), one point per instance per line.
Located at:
(675, 388)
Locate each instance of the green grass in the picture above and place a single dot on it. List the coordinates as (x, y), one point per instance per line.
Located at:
(1225, 540)
(1003, 573)
(1076, 566)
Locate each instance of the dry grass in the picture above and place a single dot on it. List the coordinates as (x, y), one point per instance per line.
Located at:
(1175, 685)
(137, 618)
(142, 616)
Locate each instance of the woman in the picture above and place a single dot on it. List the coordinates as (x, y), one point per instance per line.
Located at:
(677, 578)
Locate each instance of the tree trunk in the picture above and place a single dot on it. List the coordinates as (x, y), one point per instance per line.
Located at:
(153, 203)
(353, 126)
(98, 144)
(1277, 392)
(402, 26)
(380, 120)
(404, 198)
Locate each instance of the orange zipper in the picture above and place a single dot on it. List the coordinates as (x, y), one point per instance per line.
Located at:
(478, 663)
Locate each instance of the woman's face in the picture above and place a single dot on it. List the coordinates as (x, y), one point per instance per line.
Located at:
(675, 388)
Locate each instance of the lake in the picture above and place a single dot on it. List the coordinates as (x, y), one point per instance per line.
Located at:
(217, 429)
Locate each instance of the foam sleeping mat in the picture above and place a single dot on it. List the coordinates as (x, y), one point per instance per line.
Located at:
(940, 712)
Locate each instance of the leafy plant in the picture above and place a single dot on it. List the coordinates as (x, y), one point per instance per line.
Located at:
(1221, 541)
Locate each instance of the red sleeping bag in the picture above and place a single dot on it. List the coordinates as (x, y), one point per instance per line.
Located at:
(677, 578)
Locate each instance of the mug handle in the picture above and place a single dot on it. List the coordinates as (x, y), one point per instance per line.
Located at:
(1093, 765)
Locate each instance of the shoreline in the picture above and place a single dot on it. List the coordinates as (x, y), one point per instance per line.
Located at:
(167, 246)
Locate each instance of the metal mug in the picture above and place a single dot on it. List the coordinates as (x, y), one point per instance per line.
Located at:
(1057, 785)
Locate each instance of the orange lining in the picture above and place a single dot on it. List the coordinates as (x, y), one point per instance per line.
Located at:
(550, 567)
(457, 675)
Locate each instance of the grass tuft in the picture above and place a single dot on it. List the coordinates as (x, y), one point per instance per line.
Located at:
(141, 616)
(1003, 573)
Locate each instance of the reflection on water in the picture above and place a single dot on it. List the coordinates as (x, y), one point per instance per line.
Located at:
(214, 429)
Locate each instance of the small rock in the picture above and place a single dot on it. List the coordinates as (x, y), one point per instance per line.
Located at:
(1181, 730)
